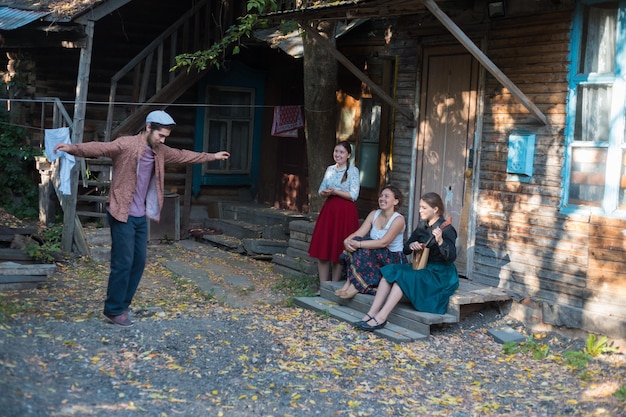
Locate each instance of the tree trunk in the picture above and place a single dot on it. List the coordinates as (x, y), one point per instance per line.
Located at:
(320, 86)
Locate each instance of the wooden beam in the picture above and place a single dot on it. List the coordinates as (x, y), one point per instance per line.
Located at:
(167, 94)
(360, 9)
(407, 112)
(484, 60)
(38, 39)
(70, 219)
(100, 11)
(184, 233)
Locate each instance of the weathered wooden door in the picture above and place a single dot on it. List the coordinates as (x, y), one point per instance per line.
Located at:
(445, 135)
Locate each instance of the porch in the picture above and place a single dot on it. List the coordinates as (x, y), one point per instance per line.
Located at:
(405, 324)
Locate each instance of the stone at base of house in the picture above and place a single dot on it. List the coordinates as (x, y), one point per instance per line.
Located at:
(506, 334)
(540, 316)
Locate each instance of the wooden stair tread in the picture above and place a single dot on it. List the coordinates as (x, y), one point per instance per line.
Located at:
(90, 214)
(94, 183)
(19, 278)
(7, 254)
(350, 315)
(12, 268)
(92, 198)
(473, 293)
(404, 322)
(23, 276)
(403, 314)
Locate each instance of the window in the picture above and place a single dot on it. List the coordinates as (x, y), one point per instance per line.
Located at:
(596, 158)
(228, 126)
(368, 143)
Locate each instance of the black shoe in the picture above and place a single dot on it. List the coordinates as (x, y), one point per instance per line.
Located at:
(362, 322)
(369, 328)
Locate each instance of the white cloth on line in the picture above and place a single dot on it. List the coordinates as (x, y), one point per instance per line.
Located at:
(52, 138)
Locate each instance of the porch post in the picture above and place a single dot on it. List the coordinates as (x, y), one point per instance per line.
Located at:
(70, 221)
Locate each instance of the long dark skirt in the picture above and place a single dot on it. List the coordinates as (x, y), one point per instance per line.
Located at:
(362, 267)
(428, 289)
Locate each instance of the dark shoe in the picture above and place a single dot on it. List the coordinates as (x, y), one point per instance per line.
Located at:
(362, 322)
(369, 328)
(121, 319)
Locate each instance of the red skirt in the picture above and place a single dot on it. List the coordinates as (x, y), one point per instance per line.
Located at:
(337, 219)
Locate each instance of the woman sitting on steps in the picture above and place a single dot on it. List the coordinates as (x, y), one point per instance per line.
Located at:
(428, 289)
(363, 257)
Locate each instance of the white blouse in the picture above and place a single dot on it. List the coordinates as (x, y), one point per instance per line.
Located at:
(333, 177)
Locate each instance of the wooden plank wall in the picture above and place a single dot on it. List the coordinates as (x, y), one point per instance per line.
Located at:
(523, 243)
(405, 49)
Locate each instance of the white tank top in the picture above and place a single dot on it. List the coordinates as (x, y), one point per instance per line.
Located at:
(396, 244)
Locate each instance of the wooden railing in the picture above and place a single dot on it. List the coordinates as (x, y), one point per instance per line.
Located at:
(149, 72)
(60, 116)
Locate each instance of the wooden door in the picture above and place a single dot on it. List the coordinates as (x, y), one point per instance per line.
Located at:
(445, 136)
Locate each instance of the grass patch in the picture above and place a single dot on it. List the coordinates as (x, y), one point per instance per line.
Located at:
(292, 286)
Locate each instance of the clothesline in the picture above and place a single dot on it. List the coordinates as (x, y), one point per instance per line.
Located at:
(192, 105)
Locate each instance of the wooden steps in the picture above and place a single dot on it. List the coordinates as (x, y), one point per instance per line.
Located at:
(296, 260)
(404, 323)
(15, 276)
(350, 315)
(18, 270)
(259, 231)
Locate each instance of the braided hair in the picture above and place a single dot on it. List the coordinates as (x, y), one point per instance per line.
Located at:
(348, 148)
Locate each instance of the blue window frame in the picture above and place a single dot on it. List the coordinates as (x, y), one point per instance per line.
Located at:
(229, 125)
(595, 164)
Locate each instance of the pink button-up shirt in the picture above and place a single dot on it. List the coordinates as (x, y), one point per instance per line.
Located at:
(125, 153)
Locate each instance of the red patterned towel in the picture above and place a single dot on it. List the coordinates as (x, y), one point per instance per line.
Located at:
(287, 121)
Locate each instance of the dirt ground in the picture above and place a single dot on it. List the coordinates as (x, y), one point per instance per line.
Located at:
(225, 341)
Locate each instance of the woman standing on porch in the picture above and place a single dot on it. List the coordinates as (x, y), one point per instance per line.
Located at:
(428, 289)
(377, 243)
(338, 216)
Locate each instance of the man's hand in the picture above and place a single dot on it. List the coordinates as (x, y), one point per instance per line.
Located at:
(221, 155)
(62, 147)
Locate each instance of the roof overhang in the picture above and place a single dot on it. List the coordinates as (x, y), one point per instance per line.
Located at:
(29, 26)
(291, 42)
(11, 18)
(352, 9)
(361, 9)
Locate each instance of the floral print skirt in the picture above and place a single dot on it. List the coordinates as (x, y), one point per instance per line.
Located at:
(362, 267)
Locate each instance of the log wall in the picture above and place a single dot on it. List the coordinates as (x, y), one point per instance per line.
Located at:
(570, 264)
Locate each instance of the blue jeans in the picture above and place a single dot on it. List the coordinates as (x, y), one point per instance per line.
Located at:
(129, 245)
